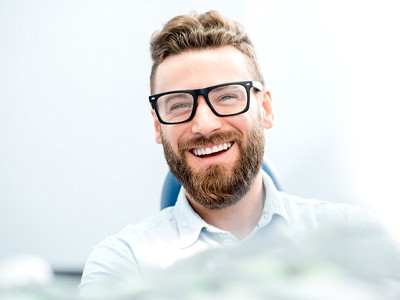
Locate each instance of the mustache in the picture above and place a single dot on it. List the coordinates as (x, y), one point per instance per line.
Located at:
(207, 140)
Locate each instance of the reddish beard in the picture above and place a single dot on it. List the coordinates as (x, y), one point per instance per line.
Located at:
(217, 186)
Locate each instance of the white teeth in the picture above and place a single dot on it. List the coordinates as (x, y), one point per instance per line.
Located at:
(214, 149)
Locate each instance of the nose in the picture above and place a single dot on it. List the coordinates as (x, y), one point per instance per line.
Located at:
(205, 121)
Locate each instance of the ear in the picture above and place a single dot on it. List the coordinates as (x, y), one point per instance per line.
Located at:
(157, 126)
(266, 107)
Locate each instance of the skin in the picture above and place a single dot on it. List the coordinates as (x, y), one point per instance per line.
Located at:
(199, 69)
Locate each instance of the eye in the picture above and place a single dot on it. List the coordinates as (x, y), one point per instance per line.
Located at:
(180, 106)
(177, 103)
(227, 97)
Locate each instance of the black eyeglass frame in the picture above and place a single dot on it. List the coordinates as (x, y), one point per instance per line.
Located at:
(204, 92)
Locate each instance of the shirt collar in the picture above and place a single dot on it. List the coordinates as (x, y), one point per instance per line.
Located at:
(272, 202)
(190, 224)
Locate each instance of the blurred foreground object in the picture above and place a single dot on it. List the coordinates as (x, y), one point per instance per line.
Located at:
(25, 276)
(23, 269)
(331, 264)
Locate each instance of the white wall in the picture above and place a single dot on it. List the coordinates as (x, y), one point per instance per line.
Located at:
(78, 160)
(333, 68)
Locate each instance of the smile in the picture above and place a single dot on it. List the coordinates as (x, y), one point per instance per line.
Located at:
(212, 150)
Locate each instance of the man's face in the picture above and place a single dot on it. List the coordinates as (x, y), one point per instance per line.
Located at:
(220, 178)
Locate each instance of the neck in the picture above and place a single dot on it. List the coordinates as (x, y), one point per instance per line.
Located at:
(239, 219)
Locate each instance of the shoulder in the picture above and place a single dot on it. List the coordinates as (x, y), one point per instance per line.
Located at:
(162, 221)
(147, 231)
(309, 213)
(118, 259)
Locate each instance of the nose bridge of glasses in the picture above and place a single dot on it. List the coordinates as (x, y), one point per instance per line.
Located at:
(205, 119)
(204, 95)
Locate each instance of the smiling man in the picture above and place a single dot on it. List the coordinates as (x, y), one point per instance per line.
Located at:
(210, 108)
(213, 134)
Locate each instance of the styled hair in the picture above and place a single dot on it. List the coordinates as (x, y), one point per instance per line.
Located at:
(200, 31)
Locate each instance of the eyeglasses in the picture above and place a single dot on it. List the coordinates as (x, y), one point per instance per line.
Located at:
(224, 100)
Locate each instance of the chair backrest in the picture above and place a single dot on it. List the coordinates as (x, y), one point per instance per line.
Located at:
(171, 186)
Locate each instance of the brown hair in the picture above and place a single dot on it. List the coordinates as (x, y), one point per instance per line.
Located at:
(200, 31)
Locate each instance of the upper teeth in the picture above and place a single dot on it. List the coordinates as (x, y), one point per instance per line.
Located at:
(214, 149)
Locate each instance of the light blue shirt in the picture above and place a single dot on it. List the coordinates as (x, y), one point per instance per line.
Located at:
(178, 232)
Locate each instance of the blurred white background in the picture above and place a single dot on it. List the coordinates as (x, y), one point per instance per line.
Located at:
(78, 159)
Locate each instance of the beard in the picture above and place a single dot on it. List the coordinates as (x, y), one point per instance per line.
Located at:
(215, 187)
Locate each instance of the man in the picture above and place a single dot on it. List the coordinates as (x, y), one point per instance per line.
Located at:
(210, 108)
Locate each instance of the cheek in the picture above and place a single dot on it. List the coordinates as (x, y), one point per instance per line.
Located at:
(246, 121)
(170, 136)
(256, 114)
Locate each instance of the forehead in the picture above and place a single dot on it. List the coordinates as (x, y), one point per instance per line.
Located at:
(202, 68)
